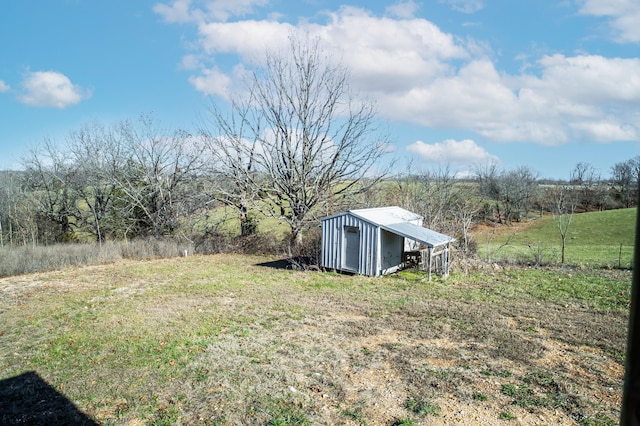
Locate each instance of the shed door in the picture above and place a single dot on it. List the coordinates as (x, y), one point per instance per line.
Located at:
(351, 255)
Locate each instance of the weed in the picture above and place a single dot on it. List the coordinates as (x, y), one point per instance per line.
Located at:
(405, 422)
(422, 407)
(164, 417)
(505, 415)
(522, 395)
(597, 420)
(480, 397)
(289, 419)
(356, 415)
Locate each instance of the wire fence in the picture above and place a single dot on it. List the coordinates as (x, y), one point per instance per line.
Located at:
(619, 256)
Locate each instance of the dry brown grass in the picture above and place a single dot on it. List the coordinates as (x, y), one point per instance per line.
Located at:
(220, 340)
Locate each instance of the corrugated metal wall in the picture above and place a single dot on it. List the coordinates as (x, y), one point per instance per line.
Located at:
(333, 244)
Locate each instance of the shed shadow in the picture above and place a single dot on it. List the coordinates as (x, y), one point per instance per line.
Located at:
(28, 400)
(299, 263)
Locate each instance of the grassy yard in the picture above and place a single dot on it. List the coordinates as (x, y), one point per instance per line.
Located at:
(232, 340)
(600, 239)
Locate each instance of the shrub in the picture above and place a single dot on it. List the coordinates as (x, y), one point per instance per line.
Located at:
(20, 260)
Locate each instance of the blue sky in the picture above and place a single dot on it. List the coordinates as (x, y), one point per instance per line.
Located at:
(546, 84)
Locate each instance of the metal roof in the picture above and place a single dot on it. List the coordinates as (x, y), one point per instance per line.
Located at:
(418, 233)
(386, 215)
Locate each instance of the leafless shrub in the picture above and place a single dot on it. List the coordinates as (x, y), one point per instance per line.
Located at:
(27, 259)
(150, 248)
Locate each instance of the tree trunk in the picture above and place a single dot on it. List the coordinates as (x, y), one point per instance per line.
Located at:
(247, 223)
(295, 240)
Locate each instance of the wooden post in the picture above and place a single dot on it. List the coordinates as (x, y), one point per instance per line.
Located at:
(620, 257)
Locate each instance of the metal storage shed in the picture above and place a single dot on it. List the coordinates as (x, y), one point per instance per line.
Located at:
(380, 241)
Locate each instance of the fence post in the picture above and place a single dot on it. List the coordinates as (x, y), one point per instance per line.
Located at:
(630, 412)
(620, 257)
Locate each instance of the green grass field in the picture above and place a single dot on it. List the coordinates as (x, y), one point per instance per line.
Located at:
(598, 239)
(229, 339)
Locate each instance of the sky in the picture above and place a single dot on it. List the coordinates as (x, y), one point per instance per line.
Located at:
(456, 83)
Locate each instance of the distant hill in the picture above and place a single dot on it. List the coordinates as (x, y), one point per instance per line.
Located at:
(596, 238)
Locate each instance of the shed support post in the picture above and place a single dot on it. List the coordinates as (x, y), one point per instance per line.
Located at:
(445, 257)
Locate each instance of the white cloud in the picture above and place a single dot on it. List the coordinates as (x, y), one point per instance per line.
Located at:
(4, 87)
(387, 54)
(404, 10)
(465, 6)
(382, 53)
(569, 96)
(224, 9)
(249, 39)
(191, 62)
(212, 82)
(419, 74)
(178, 11)
(50, 89)
(464, 152)
(606, 130)
(590, 78)
(182, 11)
(624, 16)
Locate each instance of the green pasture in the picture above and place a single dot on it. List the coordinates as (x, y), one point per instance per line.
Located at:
(600, 239)
(233, 339)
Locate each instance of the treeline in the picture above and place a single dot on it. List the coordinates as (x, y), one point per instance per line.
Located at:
(293, 145)
(130, 180)
(103, 182)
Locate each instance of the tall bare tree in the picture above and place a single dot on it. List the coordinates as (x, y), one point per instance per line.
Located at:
(564, 206)
(12, 196)
(307, 137)
(96, 152)
(489, 185)
(520, 187)
(155, 177)
(232, 142)
(50, 175)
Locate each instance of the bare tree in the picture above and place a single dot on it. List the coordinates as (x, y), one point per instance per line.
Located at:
(232, 159)
(11, 197)
(464, 208)
(96, 152)
(303, 133)
(564, 206)
(623, 176)
(49, 174)
(154, 179)
(438, 199)
(587, 179)
(489, 186)
(443, 201)
(519, 188)
(512, 191)
(429, 194)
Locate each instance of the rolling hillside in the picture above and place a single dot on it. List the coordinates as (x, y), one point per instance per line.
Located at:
(595, 238)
